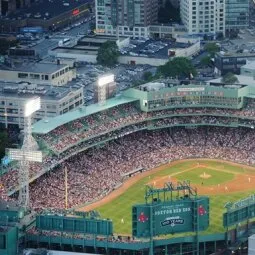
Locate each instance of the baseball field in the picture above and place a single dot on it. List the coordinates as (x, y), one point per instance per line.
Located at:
(222, 181)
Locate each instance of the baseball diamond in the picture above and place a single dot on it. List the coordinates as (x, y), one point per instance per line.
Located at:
(228, 182)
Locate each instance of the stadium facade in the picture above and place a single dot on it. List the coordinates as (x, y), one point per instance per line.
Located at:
(153, 106)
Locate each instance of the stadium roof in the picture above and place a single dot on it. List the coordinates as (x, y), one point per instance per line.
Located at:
(46, 125)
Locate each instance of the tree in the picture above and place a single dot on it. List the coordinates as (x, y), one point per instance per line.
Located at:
(180, 67)
(212, 48)
(205, 61)
(108, 54)
(229, 78)
(147, 76)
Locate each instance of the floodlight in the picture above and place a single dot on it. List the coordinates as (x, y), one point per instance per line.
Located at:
(16, 154)
(32, 106)
(105, 80)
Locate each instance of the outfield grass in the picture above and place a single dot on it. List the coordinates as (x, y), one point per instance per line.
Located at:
(121, 207)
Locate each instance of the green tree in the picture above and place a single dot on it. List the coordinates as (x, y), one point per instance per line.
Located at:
(229, 78)
(4, 142)
(108, 54)
(205, 61)
(180, 67)
(147, 76)
(212, 48)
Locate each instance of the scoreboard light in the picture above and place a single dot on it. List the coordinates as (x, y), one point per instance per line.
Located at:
(105, 80)
(16, 154)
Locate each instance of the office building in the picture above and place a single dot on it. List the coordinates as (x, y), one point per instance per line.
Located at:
(54, 101)
(231, 61)
(126, 17)
(39, 73)
(237, 14)
(203, 16)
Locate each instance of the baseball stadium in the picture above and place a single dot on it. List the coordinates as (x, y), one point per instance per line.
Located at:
(162, 168)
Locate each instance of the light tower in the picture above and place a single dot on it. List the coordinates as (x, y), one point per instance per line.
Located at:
(28, 152)
(103, 87)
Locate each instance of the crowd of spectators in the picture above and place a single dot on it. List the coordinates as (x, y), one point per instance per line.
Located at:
(102, 122)
(96, 172)
(123, 144)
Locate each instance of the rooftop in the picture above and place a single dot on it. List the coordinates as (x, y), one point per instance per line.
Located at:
(48, 68)
(235, 54)
(45, 126)
(152, 86)
(166, 84)
(249, 65)
(74, 50)
(152, 48)
(101, 38)
(243, 79)
(27, 90)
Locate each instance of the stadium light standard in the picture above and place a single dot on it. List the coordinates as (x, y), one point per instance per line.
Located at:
(102, 83)
(27, 153)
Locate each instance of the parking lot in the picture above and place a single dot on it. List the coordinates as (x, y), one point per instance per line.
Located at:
(244, 43)
(125, 76)
(145, 48)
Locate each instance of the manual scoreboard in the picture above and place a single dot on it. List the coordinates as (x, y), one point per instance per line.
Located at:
(178, 216)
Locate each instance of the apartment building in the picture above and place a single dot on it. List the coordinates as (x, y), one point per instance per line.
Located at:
(125, 17)
(203, 16)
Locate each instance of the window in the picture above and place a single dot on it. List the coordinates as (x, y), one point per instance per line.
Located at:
(22, 75)
(35, 76)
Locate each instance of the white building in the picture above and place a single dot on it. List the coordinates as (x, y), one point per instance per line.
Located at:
(39, 73)
(54, 101)
(183, 47)
(203, 16)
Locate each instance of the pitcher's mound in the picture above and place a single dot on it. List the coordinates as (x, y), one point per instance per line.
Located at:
(205, 176)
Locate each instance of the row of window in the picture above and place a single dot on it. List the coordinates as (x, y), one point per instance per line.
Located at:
(42, 76)
(212, 100)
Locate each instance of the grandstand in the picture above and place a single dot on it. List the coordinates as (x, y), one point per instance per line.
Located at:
(102, 146)
(140, 111)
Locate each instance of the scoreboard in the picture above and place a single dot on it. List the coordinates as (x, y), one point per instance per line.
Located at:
(179, 216)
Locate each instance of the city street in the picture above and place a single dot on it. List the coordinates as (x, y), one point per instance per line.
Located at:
(44, 45)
